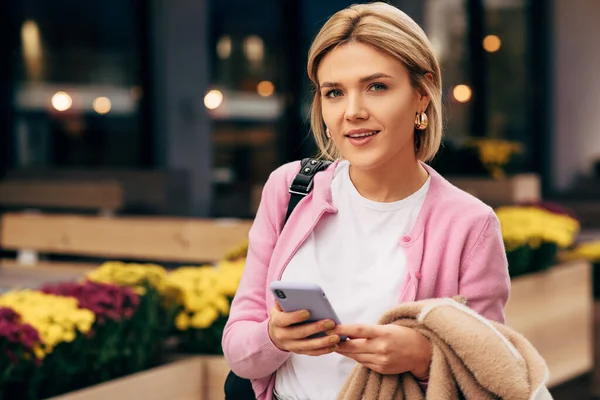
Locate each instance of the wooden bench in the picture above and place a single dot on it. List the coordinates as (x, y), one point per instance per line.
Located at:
(104, 196)
(14, 276)
(145, 191)
(150, 239)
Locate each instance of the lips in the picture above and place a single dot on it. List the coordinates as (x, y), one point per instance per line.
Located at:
(361, 137)
(361, 133)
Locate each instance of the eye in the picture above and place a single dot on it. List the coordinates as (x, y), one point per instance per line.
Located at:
(333, 93)
(377, 86)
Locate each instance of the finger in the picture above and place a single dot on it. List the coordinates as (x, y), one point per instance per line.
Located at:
(320, 352)
(358, 331)
(362, 358)
(283, 319)
(305, 330)
(357, 346)
(278, 306)
(306, 345)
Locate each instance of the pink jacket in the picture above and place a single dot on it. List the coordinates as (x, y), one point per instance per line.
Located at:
(454, 248)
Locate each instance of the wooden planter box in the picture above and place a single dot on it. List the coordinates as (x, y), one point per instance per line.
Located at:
(183, 378)
(497, 192)
(215, 373)
(554, 311)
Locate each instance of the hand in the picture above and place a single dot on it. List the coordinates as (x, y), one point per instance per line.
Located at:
(294, 338)
(387, 349)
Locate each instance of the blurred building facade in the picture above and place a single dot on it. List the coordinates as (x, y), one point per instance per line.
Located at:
(216, 91)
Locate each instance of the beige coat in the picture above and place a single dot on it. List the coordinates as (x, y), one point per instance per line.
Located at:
(482, 359)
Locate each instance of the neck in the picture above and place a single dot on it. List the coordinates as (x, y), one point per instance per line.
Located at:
(391, 181)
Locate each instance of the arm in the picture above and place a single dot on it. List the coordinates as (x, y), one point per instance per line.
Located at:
(484, 279)
(247, 346)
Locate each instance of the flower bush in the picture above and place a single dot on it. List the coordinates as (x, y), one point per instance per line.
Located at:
(589, 251)
(139, 277)
(495, 154)
(154, 318)
(203, 296)
(106, 301)
(62, 327)
(20, 352)
(534, 233)
(115, 308)
(57, 319)
(111, 324)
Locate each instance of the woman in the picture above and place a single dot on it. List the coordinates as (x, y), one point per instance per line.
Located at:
(379, 228)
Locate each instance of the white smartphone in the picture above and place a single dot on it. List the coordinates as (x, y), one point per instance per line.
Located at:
(294, 296)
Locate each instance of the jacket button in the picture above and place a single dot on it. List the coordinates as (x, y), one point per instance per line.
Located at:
(406, 239)
(418, 275)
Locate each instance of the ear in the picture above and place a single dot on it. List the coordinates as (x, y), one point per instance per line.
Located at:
(424, 98)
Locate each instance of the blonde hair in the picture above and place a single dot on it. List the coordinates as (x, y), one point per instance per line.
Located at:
(387, 29)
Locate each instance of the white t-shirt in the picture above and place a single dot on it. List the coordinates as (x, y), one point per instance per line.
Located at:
(356, 258)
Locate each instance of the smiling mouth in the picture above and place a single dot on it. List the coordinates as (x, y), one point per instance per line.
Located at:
(362, 135)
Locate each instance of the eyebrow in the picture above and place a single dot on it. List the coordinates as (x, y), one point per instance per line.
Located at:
(364, 79)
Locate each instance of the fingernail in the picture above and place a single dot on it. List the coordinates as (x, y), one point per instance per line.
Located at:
(334, 339)
(334, 348)
(305, 315)
(331, 332)
(329, 325)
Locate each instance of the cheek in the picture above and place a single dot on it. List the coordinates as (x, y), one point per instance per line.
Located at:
(333, 113)
(398, 117)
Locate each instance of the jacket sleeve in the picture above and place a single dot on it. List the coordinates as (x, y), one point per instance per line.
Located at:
(247, 345)
(484, 279)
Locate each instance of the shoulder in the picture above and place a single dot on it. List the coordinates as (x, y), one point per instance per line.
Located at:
(280, 179)
(285, 173)
(459, 219)
(457, 206)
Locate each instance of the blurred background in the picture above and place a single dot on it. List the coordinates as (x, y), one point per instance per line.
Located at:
(212, 96)
(159, 121)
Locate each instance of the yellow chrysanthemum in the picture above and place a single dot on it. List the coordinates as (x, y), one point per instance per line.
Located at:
(587, 251)
(237, 253)
(56, 318)
(182, 321)
(495, 154)
(533, 226)
(203, 292)
(130, 275)
(203, 319)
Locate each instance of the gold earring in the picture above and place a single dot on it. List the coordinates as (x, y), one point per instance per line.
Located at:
(327, 133)
(421, 121)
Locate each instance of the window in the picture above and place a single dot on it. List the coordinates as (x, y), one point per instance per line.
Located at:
(80, 84)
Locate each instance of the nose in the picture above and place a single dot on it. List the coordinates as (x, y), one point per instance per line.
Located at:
(355, 108)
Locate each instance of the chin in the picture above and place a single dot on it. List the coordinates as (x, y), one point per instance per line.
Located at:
(365, 161)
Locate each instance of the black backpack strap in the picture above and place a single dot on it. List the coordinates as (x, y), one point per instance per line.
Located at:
(303, 182)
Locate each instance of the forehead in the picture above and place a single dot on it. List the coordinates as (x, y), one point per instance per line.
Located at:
(352, 61)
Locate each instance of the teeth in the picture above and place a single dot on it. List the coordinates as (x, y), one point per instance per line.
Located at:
(360, 135)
